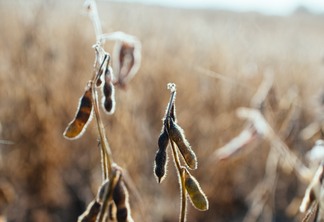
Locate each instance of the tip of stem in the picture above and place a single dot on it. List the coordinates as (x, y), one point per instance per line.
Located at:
(171, 87)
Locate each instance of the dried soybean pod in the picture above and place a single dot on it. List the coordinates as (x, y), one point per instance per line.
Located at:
(90, 215)
(108, 105)
(120, 197)
(161, 155)
(197, 196)
(108, 89)
(126, 60)
(176, 134)
(77, 127)
(101, 191)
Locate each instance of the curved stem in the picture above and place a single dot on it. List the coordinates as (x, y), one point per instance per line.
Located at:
(93, 14)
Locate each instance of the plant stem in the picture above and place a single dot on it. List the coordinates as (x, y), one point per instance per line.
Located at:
(105, 149)
(176, 159)
(173, 90)
(104, 165)
(106, 155)
(184, 197)
(181, 180)
(93, 14)
(102, 135)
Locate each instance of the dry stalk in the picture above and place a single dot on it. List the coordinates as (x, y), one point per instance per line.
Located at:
(289, 160)
(181, 181)
(249, 133)
(279, 155)
(313, 201)
(172, 133)
(263, 194)
(182, 218)
(114, 191)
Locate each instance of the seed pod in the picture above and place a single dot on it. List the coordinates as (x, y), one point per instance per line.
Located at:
(120, 197)
(108, 105)
(77, 127)
(108, 89)
(161, 156)
(176, 134)
(197, 196)
(90, 215)
(160, 165)
(102, 189)
(126, 60)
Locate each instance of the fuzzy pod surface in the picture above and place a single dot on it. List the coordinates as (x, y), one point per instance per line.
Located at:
(176, 134)
(197, 196)
(161, 155)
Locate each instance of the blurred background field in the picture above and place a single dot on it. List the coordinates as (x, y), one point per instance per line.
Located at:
(216, 58)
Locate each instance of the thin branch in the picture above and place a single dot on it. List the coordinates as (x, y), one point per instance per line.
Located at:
(173, 89)
(288, 158)
(182, 185)
(101, 129)
(183, 193)
(91, 6)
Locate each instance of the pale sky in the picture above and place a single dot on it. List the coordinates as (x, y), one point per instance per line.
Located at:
(275, 7)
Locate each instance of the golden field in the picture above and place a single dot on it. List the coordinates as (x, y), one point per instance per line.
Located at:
(216, 58)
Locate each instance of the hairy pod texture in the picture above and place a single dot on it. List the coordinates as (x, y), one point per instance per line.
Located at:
(176, 134)
(161, 155)
(77, 126)
(90, 215)
(120, 197)
(197, 196)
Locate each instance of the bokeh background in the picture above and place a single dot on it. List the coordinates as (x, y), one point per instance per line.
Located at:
(46, 59)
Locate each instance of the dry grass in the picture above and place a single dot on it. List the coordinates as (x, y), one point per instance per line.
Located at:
(45, 59)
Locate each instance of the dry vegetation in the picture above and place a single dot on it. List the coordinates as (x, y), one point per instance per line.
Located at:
(46, 57)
